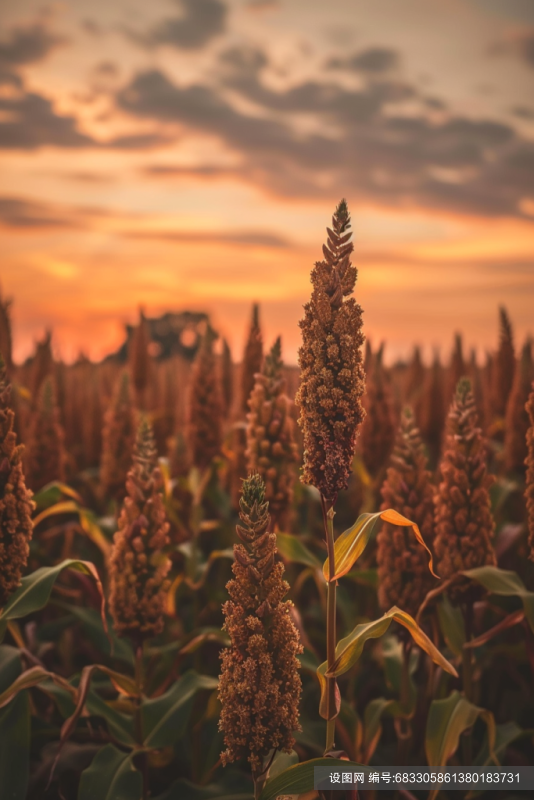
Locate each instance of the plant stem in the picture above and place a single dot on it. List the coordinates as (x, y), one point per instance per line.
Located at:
(139, 682)
(328, 517)
(467, 679)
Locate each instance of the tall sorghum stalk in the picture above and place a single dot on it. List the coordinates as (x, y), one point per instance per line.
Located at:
(118, 440)
(457, 368)
(271, 448)
(403, 575)
(227, 378)
(205, 411)
(252, 358)
(15, 499)
(529, 461)
(139, 358)
(138, 564)
(42, 365)
(504, 367)
(517, 421)
(45, 454)
(377, 434)
(259, 686)
(329, 396)
(433, 410)
(463, 518)
(6, 340)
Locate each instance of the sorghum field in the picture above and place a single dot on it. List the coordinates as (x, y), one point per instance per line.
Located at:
(216, 576)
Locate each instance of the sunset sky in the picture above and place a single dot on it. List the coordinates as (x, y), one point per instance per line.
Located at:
(188, 154)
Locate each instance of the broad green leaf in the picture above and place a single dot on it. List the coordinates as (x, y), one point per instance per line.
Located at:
(164, 719)
(10, 665)
(87, 522)
(120, 725)
(281, 762)
(122, 683)
(393, 652)
(447, 720)
(452, 625)
(349, 649)
(373, 724)
(108, 643)
(506, 583)
(111, 776)
(293, 550)
(51, 494)
(352, 542)
(15, 748)
(35, 590)
(299, 778)
(28, 679)
(505, 734)
(183, 788)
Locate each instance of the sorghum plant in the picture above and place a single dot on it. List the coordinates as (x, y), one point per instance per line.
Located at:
(378, 430)
(259, 686)
(138, 564)
(15, 499)
(504, 366)
(139, 359)
(45, 453)
(529, 461)
(517, 421)
(403, 576)
(117, 440)
(205, 407)
(252, 358)
(329, 396)
(271, 448)
(227, 378)
(433, 410)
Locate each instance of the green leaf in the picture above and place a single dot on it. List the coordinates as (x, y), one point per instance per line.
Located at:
(164, 719)
(10, 666)
(34, 592)
(294, 551)
(452, 625)
(506, 583)
(447, 720)
(352, 542)
(111, 776)
(119, 725)
(281, 762)
(505, 734)
(87, 519)
(110, 643)
(299, 778)
(32, 677)
(51, 494)
(373, 723)
(349, 649)
(15, 748)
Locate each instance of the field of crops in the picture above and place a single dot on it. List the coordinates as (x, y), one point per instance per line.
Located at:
(216, 576)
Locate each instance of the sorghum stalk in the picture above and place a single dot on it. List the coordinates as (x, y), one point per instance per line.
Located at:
(118, 440)
(259, 685)
(403, 575)
(517, 421)
(271, 448)
(252, 358)
(138, 564)
(529, 461)
(205, 407)
(45, 454)
(15, 499)
(504, 367)
(139, 358)
(329, 396)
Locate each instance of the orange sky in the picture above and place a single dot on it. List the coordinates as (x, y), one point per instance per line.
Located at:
(189, 155)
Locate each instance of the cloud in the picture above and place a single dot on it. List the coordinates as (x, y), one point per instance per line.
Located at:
(199, 22)
(241, 237)
(27, 44)
(373, 61)
(16, 212)
(30, 121)
(519, 44)
(374, 149)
